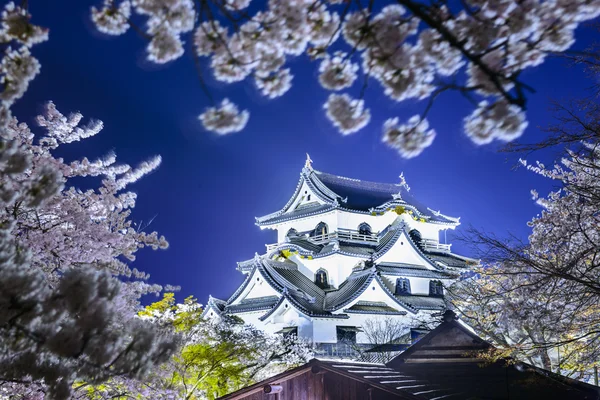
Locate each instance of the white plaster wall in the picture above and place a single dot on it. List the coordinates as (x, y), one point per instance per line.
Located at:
(402, 251)
(324, 330)
(350, 220)
(257, 287)
(283, 317)
(303, 197)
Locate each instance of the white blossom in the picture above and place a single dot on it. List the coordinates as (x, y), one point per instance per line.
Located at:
(15, 26)
(409, 139)
(64, 315)
(356, 30)
(224, 119)
(323, 25)
(209, 38)
(337, 72)
(61, 129)
(347, 114)
(276, 84)
(110, 19)
(236, 5)
(17, 69)
(165, 46)
(498, 120)
(483, 49)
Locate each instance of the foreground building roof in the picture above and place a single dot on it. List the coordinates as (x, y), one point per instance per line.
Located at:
(444, 364)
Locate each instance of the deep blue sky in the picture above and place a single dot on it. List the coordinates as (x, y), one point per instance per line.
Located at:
(209, 189)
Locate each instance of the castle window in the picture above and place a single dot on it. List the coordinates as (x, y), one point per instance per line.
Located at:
(436, 288)
(402, 286)
(364, 229)
(291, 232)
(321, 279)
(320, 229)
(416, 237)
(346, 334)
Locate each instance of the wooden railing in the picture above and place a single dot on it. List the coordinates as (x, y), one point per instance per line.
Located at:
(349, 235)
(429, 244)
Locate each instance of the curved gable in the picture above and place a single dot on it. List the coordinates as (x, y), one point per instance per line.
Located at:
(403, 250)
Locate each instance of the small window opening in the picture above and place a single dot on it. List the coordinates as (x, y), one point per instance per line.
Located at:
(321, 279)
(364, 229)
(320, 229)
(346, 334)
(402, 286)
(436, 288)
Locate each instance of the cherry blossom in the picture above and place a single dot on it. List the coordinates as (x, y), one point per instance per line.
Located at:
(64, 314)
(409, 139)
(111, 20)
(337, 72)
(412, 50)
(276, 84)
(347, 114)
(224, 119)
(165, 46)
(499, 120)
(15, 26)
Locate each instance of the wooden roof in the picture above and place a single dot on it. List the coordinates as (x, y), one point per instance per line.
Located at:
(444, 364)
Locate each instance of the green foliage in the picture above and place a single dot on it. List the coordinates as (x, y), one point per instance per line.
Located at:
(214, 358)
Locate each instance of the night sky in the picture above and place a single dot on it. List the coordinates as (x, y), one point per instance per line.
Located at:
(208, 190)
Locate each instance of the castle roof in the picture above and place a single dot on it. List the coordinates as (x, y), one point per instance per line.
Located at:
(310, 299)
(353, 195)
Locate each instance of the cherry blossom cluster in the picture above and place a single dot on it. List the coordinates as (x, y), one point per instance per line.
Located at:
(536, 297)
(411, 138)
(413, 50)
(64, 314)
(17, 66)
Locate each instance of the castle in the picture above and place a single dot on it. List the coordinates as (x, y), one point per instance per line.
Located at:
(347, 251)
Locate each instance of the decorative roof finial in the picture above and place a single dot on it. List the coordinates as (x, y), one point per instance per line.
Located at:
(449, 316)
(308, 162)
(403, 182)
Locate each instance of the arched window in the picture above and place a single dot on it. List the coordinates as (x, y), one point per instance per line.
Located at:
(436, 288)
(416, 237)
(291, 232)
(320, 229)
(321, 279)
(402, 286)
(364, 229)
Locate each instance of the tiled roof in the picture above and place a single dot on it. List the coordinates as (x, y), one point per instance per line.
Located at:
(254, 304)
(410, 270)
(301, 291)
(449, 259)
(352, 195)
(298, 213)
(214, 304)
(305, 244)
(370, 307)
(422, 302)
(350, 289)
(364, 195)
